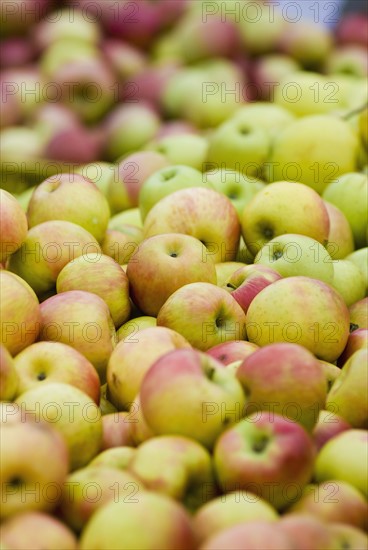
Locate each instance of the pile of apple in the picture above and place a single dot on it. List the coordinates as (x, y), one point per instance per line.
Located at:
(184, 277)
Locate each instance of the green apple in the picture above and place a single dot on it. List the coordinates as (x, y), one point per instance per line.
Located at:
(225, 269)
(331, 372)
(106, 407)
(349, 192)
(270, 117)
(13, 225)
(345, 271)
(115, 457)
(116, 430)
(293, 254)
(9, 382)
(131, 216)
(347, 536)
(182, 149)
(69, 26)
(99, 173)
(164, 263)
(360, 259)
(129, 329)
(340, 237)
(359, 315)
(281, 313)
(307, 42)
(260, 28)
(284, 207)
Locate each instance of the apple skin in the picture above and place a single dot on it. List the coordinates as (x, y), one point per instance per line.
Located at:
(320, 324)
(358, 315)
(331, 372)
(307, 532)
(115, 457)
(225, 269)
(205, 383)
(118, 525)
(308, 43)
(9, 382)
(234, 508)
(328, 425)
(177, 467)
(164, 263)
(266, 72)
(133, 357)
(350, 59)
(77, 503)
(20, 313)
(116, 430)
(360, 259)
(13, 225)
(246, 282)
(340, 237)
(48, 247)
(140, 430)
(333, 463)
(119, 244)
(351, 387)
(264, 449)
(93, 333)
(345, 270)
(129, 329)
(26, 448)
(80, 426)
(34, 529)
(229, 352)
(204, 314)
(283, 375)
(303, 212)
(187, 149)
(101, 276)
(358, 339)
(352, 29)
(49, 362)
(334, 502)
(347, 536)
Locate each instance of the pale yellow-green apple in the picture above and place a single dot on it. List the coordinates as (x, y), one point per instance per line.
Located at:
(34, 530)
(239, 145)
(73, 198)
(360, 259)
(182, 149)
(133, 357)
(13, 225)
(347, 536)
(363, 126)
(9, 382)
(71, 412)
(307, 149)
(328, 425)
(116, 430)
(119, 244)
(281, 313)
(331, 372)
(351, 387)
(344, 271)
(90, 488)
(292, 254)
(254, 535)
(210, 398)
(34, 456)
(333, 501)
(164, 263)
(102, 276)
(24, 197)
(192, 211)
(284, 207)
(128, 330)
(19, 311)
(130, 175)
(100, 173)
(204, 314)
(118, 525)
(349, 192)
(81, 320)
(225, 269)
(307, 42)
(270, 117)
(334, 463)
(229, 352)
(260, 26)
(244, 255)
(267, 454)
(175, 466)
(285, 379)
(245, 283)
(48, 247)
(233, 508)
(350, 59)
(131, 216)
(106, 407)
(78, 28)
(358, 339)
(9, 412)
(49, 362)
(165, 181)
(115, 457)
(359, 314)
(140, 430)
(306, 531)
(340, 237)
(267, 72)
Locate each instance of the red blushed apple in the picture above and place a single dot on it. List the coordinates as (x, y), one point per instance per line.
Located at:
(328, 425)
(255, 535)
(125, 59)
(245, 283)
(353, 29)
(13, 225)
(306, 532)
(229, 352)
(15, 52)
(116, 430)
(358, 339)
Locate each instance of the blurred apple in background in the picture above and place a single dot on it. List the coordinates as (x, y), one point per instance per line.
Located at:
(347, 535)
(116, 430)
(360, 259)
(9, 382)
(353, 29)
(187, 149)
(115, 457)
(229, 352)
(267, 72)
(328, 425)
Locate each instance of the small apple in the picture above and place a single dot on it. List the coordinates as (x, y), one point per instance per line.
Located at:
(13, 225)
(328, 425)
(186, 149)
(116, 430)
(9, 382)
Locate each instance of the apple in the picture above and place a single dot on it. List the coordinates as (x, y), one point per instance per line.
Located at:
(204, 314)
(102, 276)
(131, 216)
(119, 244)
(192, 211)
(28, 476)
(16, 51)
(125, 59)
(308, 43)
(13, 225)
(331, 372)
(9, 382)
(225, 269)
(34, 529)
(133, 357)
(261, 28)
(165, 181)
(340, 237)
(20, 313)
(176, 466)
(360, 259)
(88, 489)
(71, 412)
(176, 127)
(129, 329)
(284, 207)
(115, 457)
(266, 73)
(81, 320)
(106, 407)
(140, 430)
(349, 59)
(352, 28)
(358, 339)
(100, 173)
(164, 263)
(233, 508)
(349, 192)
(363, 123)
(116, 430)
(285, 379)
(345, 270)
(118, 524)
(50, 362)
(306, 531)
(347, 536)
(210, 398)
(186, 149)
(229, 352)
(9, 413)
(280, 313)
(48, 247)
(358, 315)
(333, 463)
(328, 425)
